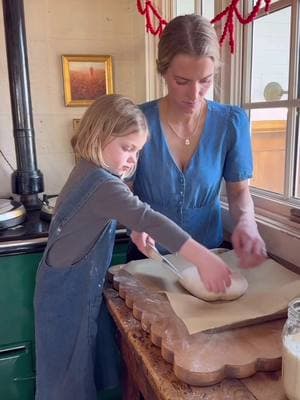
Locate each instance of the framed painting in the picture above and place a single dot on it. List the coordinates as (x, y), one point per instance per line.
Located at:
(86, 77)
(75, 123)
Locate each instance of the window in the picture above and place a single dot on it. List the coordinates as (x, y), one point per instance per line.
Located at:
(185, 7)
(201, 7)
(270, 92)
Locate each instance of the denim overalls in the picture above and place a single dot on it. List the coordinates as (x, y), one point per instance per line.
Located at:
(72, 323)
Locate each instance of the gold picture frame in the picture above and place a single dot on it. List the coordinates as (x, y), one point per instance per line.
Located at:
(86, 77)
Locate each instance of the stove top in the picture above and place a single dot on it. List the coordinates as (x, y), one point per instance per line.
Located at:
(32, 227)
(12, 213)
(17, 223)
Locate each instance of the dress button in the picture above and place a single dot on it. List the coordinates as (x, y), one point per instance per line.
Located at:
(58, 230)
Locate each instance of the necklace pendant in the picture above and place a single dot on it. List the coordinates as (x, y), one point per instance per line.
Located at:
(187, 142)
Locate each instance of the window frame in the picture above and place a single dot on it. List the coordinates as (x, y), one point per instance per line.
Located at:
(272, 211)
(279, 204)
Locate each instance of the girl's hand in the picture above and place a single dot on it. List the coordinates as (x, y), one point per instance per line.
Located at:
(248, 244)
(215, 275)
(141, 239)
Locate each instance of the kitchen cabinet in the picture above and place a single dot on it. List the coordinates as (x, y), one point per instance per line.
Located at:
(17, 377)
(17, 366)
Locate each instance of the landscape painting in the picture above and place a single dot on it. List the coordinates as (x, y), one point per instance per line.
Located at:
(86, 78)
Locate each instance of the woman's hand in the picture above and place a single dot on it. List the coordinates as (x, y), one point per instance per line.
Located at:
(248, 244)
(246, 240)
(141, 239)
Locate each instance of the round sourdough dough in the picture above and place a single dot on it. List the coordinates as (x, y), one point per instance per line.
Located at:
(192, 282)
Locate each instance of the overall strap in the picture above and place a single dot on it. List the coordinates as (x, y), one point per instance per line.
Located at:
(79, 195)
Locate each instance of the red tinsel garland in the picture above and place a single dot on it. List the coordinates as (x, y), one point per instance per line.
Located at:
(229, 25)
(230, 11)
(149, 8)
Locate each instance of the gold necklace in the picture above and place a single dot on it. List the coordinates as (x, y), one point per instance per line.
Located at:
(187, 140)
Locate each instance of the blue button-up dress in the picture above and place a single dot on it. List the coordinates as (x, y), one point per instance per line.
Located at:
(191, 197)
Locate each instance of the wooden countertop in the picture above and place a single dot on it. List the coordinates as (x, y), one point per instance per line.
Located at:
(147, 373)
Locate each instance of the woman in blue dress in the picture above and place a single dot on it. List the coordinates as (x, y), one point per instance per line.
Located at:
(195, 144)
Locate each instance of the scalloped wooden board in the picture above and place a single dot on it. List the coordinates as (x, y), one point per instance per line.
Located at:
(270, 288)
(204, 358)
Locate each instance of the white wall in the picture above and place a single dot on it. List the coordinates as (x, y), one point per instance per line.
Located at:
(55, 28)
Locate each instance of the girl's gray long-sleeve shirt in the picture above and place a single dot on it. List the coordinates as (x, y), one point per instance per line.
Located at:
(112, 200)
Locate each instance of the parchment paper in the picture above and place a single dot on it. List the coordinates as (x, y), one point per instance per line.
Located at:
(271, 288)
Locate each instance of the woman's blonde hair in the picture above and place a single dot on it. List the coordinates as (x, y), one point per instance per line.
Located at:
(108, 117)
(187, 34)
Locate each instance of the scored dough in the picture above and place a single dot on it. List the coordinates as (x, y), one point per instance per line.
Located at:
(192, 282)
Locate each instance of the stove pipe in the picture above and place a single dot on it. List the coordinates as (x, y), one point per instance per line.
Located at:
(27, 180)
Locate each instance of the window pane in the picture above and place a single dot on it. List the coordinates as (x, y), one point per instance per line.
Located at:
(185, 7)
(208, 9)
(268, 128)
(270, 53)
(263, 5)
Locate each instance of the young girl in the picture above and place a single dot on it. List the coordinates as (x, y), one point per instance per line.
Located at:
(71, 274)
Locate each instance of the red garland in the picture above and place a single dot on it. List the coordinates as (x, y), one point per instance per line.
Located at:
(149, 8)
(229, 25)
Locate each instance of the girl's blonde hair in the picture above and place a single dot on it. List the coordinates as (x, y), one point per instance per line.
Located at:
(108, 117)
(187, 34)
